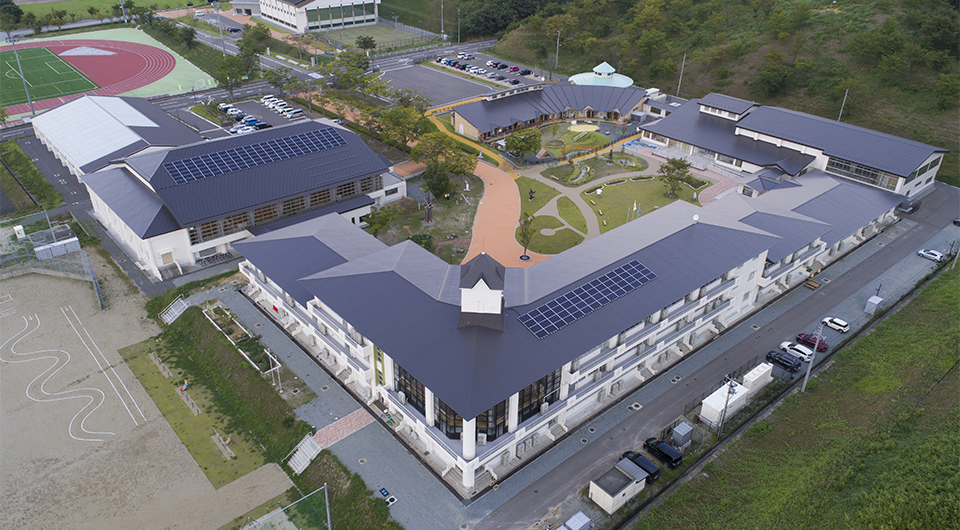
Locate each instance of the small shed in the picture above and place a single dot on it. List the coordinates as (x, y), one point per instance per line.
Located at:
(712, 409)
(618, 485)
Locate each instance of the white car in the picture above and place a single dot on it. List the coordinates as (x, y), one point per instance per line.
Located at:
(492, 63)
(268, 101)
(236, 128)
(265, 98)
(837, 324)
(282, 108)
(492, 75)
(224, 106)
(932, 255)
(233, 111)
(273, 103)
(246, 129)
(481, 71)
(797, 350)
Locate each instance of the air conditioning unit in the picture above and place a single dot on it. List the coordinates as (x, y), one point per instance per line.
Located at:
(616, 387)
(482, 438)
(544, 408)
(402, 397)
(601, 395)
(598, 375)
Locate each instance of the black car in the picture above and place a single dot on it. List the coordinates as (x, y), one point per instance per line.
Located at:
(503, 66)
(262, 125)
(514, 81)
(664, 452)
(234, 30)
(500, 78)
(240, 117)
(653, 471)
(784, 360)
(525, 71)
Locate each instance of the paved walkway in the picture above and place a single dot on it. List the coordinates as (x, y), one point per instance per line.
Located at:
(342, 428)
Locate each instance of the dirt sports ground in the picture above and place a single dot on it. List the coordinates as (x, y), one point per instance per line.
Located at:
(81, 443)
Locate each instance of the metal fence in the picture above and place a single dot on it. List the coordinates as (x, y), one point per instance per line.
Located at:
(413, 30)
(744, 368)
(75, 265)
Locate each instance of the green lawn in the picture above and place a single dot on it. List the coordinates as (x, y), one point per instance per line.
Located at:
(30, 176)
(46, 74)
(616, 202)
(79, 7)
(542, 195)
(194, 431)
(21, 201)
(873, 443)
(542, 244)
(564, 142)
(571, 214)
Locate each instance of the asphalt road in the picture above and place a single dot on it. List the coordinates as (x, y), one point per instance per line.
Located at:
(939, 209)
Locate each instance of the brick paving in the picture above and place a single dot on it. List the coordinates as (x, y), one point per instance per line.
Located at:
(342, 428)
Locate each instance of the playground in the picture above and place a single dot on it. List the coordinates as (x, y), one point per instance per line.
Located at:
(109, 63)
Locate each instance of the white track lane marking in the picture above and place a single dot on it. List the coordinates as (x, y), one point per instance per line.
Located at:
(25, 332)
(115, 374)
(102, 369)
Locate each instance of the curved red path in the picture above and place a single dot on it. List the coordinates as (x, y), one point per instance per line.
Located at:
(131, 66)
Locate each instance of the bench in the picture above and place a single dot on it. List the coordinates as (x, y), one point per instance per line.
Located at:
(811, 284)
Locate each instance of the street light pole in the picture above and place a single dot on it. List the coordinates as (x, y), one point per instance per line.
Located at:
(556, 63)
(396, 29)
(813, 357)
(13, 40)
(216, 5)
(731, 390)
(441, 19)
(458, 25)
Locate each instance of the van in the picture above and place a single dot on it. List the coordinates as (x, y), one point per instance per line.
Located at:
(198, 13)
(653, 471)
(909, 206)
(295, 113)
(664, 452)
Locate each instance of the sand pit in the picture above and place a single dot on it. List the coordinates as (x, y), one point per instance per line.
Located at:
(583, 127)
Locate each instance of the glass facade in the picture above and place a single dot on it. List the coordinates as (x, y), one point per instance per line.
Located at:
(493, 422)
(862, 173)
(412, 388)
(546, 390)
(447, 420)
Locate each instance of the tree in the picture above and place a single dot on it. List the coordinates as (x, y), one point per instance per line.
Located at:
(523, 142)
(3, 117)
(438, 180)
(7, 23)
(252, 45)
(438, 147)
(229, 73)
(379, 218)
(672, 173)
(526, 231)
(280, 78)
(424, 240)
(401, 124)
(405, 97)
(32, 21)
(947, 90)
(366, 43)
(775, 77)
(187, 35)
(7, 7)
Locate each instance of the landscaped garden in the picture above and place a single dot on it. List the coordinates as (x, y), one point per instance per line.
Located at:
(614, 204)
(597, 167)
(547, 236)
(560, 138)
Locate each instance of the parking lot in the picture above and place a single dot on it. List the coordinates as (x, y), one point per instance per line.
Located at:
(269, 117)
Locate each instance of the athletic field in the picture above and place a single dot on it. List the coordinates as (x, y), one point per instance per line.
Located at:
(47, 76)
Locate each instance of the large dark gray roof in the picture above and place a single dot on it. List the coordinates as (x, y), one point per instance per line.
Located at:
(687, 124)
(487, 116)
(727, 103)
(214, 197)
(133, 202)
(416, 295)
(882, 151)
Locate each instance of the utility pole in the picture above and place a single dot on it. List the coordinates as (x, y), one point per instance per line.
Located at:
(123, 9)
(441, 20)
(814, 356)
(731, 390)
(13, 40)
(216, 6)
(556, 63)
(458, 25)
(684, 63)
(396, 30)
(845, 92)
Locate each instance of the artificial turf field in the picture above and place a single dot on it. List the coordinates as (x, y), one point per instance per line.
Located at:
(47, 75)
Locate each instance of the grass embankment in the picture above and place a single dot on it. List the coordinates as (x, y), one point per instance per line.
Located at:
(244, 402)
(873, 443)
(79, 7)
(29, 176)
(18, 197)
(615, 204)
(202, 56)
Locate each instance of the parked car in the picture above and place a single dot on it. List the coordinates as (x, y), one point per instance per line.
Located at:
(514, 68)
(957, 221)
(503, 66)
(295, 113)
(514, 81)
(234, 29)
(932, 255)
(468, 56)
(461, 55)
(797, 350)
(493, 63)
(240, 117)
(784, 360)
(500, 78)
(246, 129)
(267, 97)
(235, 128)
(233, 111)
(493, 75)
(282, 107)
(837, 324)
(224, 106)
(809, 339)
(525, 71)
(644, 463)
(261, 125)
(439, 59)
(664, 452)
(250, 119)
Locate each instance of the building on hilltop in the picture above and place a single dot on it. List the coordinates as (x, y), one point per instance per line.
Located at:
(174, 209)
(304, 16)
(89, 132)
(602, 75)
(482, 366)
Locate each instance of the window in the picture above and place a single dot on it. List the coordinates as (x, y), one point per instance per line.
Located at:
(346, 190)
(194, 235)
(410, 387)
(543, 391)
(862, 173)
(746, 296)
(378, 364)
(294, 205)
(264, 214)
(209, 230)
(319, 197)
(493, 422)
(391, 191)
(447, 420)
(752, 275)
(371, 184)
(725, 158)
(235, 223)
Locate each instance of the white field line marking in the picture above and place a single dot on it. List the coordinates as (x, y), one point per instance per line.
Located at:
(57, 361)
(102, 369)
(115, 374)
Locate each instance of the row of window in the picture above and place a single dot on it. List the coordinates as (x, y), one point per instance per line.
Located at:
(862, 173)
(935, 163)
(264, 214)
(341, 12)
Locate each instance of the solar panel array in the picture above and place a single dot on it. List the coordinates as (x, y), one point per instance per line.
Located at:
(585, 299)
(248, 156)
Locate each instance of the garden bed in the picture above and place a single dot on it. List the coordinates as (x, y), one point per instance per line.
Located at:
(245, 342)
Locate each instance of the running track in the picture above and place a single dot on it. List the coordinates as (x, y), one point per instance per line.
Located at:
(134, 65)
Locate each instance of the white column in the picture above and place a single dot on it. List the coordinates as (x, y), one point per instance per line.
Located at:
(428, 406)
(388, 372)
(513, 412)
(564, 390)
(469, 443)
(469, 471)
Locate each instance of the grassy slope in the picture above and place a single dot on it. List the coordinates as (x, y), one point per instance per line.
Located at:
(725, 43)
(30, 176)
(872, 444)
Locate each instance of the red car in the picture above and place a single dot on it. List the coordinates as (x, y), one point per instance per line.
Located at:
(809, 339)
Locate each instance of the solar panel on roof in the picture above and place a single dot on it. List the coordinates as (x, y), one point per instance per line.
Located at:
(253, 155)
(579, 302)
